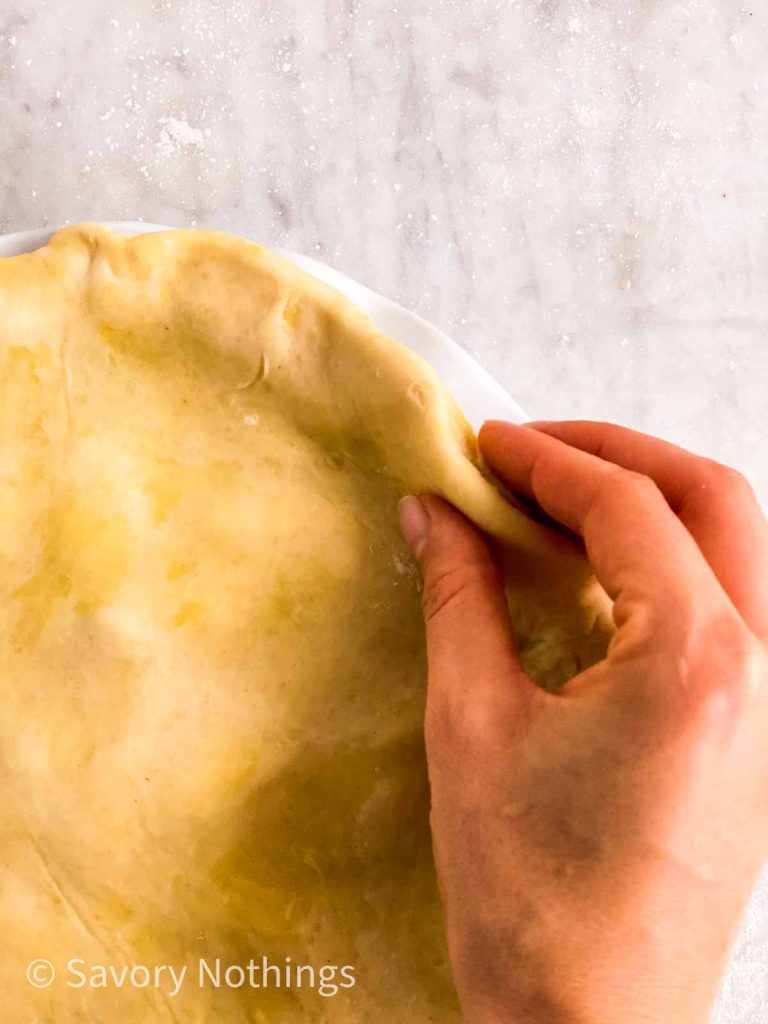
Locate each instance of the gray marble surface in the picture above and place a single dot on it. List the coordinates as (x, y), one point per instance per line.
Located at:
(576, 191)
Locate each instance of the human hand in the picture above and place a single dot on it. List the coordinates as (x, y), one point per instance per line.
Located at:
(595, 848)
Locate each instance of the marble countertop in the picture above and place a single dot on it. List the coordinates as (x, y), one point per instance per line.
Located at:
(575, 191)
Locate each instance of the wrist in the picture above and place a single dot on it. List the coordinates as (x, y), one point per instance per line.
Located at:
(582, 980)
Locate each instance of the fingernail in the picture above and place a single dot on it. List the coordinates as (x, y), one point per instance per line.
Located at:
(414, 522)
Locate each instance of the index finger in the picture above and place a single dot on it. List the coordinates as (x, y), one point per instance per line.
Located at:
(715, 504)
(638, 548)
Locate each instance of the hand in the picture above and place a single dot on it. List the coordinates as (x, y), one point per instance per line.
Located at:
(595, 848)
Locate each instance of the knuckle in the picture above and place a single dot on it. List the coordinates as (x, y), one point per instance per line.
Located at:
(621, 486)
(722, 674)
(637, 484)
(734, 657)
(718, 477)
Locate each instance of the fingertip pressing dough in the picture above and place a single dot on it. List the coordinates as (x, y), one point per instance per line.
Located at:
(211, 646)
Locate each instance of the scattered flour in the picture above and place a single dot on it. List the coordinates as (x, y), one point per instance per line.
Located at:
(177, 134)
(403, 568)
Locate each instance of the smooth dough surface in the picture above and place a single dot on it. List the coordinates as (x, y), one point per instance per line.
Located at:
(211, 648)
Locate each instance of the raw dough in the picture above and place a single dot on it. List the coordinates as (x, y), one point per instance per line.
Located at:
(211, 648)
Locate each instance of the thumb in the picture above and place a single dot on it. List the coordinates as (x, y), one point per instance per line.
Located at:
(475, 680)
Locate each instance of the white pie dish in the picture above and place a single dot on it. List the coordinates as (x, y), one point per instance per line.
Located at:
(478, 394)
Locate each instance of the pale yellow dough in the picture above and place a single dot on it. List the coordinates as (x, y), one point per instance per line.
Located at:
(211, 649)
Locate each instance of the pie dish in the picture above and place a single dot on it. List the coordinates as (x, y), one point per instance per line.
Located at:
(210, 634)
